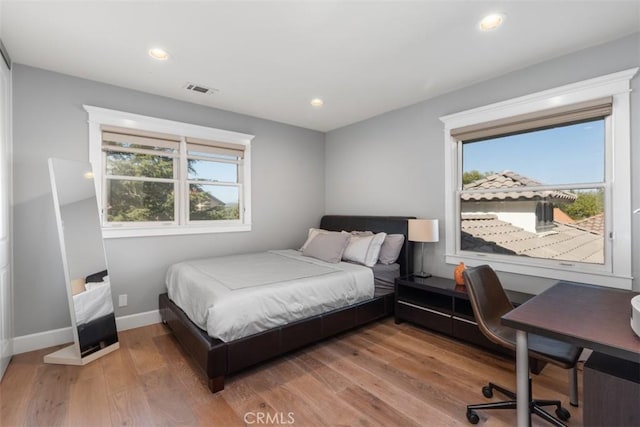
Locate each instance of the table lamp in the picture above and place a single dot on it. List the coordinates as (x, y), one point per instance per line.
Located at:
(423, 230)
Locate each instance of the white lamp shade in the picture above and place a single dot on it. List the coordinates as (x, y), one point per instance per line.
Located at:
(423, 230)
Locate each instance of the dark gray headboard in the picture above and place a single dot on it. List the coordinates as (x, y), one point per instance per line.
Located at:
(377, 224)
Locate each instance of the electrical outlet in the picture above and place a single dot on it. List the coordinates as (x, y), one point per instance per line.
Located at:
(122, 300)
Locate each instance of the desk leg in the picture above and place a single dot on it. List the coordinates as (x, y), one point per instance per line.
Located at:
(522, 372)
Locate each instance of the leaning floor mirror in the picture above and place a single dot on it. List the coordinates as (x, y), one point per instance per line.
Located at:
(84, 264)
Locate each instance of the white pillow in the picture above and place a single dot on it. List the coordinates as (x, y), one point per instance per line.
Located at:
(362, 233)
(364, 249)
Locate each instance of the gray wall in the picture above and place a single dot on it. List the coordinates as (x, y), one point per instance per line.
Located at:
(393, 164)
(49, 121)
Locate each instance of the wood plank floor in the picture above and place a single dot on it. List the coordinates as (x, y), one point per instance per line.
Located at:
(379, 375)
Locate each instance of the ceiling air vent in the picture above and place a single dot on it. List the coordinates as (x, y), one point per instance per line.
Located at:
(200, 89)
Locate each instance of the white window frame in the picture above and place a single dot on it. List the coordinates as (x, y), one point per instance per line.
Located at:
(617, 272)
(99, 117)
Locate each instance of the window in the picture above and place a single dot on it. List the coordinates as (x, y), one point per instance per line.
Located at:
(158, 177)
(540, 185)
(542, 172)
(214, 180)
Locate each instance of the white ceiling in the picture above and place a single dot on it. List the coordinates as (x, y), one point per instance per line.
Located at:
(268, 58)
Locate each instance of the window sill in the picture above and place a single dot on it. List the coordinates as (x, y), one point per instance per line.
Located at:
(123, 232)
(558, 272)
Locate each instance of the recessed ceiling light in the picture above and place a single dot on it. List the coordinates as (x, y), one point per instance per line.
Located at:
(491, 22)
(317, 102)
(159, 54)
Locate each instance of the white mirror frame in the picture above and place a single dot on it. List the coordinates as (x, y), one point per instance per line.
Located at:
(70, 355)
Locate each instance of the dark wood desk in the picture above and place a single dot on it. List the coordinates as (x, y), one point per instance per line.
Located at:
(589, 316)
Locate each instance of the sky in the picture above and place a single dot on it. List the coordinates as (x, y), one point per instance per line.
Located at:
(563, 155)
(224, 172)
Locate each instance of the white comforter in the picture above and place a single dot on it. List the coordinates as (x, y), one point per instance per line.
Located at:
(236, 296)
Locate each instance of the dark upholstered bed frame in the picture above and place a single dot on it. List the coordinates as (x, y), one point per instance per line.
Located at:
(218, 359)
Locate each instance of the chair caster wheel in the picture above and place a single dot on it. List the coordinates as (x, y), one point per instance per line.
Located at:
(487, 392)
(563, 414)
(472, 417)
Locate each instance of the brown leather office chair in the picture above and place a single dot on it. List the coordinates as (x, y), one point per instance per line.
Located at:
(490, 303)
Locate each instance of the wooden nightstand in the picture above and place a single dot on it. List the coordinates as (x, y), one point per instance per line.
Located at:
(437, 303)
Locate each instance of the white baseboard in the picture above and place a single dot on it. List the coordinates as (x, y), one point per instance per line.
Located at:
(585, 355)
(40, 340)
(46, 339)
(138, 320)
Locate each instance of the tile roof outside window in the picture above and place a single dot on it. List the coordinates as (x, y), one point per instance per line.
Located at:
(511, 180)
(567, 242)
(595, 224)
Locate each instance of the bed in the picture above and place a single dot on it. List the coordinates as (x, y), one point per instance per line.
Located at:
(218, 358)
